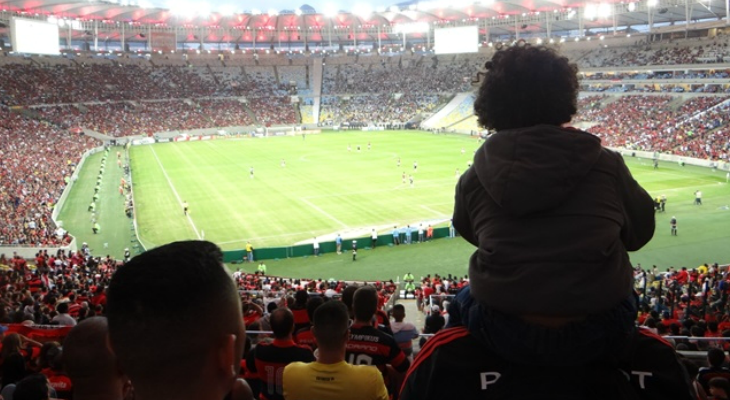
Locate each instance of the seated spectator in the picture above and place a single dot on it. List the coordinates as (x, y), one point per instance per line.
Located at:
(716, 368)
(90, 365)
(719, 389)
(32, 387)
(330, 377)
(269, 359)
(403, 332)
(150, 321)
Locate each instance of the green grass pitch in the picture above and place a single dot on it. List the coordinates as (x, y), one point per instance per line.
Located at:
(325, 189)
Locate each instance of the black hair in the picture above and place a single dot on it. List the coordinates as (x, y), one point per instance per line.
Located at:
(365, 303)
(715, 357)
(527, 86)
(312, 304)
(167, 307)
(32, 387)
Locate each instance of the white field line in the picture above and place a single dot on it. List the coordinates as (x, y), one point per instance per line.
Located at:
(325, 213)
(427, 208)
(177, 196)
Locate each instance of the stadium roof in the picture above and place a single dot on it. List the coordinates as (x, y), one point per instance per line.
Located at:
(494, 17)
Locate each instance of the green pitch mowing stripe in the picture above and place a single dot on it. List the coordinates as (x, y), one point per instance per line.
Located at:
(323, 189)
(116, 230)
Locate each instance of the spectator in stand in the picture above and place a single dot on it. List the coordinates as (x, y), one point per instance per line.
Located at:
(299, 309)
(715, 369)
(371, 346)
(719, 389)
(32, 387)
(330, 377)
(268, 359)
(503, 334)
(403, 332)
(63, 318)
(305, 336)
(150, 331)
(92, 368)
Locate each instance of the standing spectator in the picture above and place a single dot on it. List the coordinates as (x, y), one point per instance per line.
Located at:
(716, 369)
(330, 377)
(149, 324)
(403, 332)
(396, 236)
(420, 233)
(698, 197)
(429, 232)
(315, 245)
(673, 226)
(373, 239)
(338, 243)
(268, 359)
(370, 346)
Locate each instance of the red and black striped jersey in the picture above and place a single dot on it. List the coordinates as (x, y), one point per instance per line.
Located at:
(370, 346)
(305, 337)
(455, 361)
(269, 362)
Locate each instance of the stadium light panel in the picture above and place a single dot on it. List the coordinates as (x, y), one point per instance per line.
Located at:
(632, 6)
(604, 10)
(590, 11)
(298, 12)
(652, 3)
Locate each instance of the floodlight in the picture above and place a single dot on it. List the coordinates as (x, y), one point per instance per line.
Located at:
(632, 6)
(298, 11)
(604, 10)
(652, 3)
(272, 12)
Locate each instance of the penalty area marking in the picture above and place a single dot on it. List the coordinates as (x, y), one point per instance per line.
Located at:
(179, 201)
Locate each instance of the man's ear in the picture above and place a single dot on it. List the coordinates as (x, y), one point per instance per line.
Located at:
(226, 362)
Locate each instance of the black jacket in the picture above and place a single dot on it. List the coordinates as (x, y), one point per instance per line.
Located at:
(553, 214)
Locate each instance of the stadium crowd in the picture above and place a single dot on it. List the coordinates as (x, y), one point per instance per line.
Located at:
(42, 299)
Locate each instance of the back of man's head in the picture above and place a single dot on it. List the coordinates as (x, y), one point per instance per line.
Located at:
(331, 323)
(32, 387)
(526, 86)
(365, 303)
(312, 304)
(170, 311)
(301, 297)
(88, 362)
(282, 322)
(399, 312)
(348, 293)
(715, 357)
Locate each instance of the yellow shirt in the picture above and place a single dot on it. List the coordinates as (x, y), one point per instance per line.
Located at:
(339, 381)
(249, 248)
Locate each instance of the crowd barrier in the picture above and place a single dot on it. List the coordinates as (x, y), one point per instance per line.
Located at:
(305, 250)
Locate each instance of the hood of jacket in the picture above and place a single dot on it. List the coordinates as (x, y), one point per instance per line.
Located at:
(532, 169)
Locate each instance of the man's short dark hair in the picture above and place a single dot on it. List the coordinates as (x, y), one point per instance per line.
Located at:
(365, 303)
(301, 297)
(331, 321)
(312, 304)
(282, 322)
(32, 387)
(715, 357)
(62, 308)
(167, 307)
(526, 86)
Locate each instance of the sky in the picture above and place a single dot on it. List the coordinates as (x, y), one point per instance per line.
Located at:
(264, 6)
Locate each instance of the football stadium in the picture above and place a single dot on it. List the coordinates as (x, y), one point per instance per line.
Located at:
(543, 184)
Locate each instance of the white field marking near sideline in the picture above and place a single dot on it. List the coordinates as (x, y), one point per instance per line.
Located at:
(422, 186)
(325, 213)
(685, 188)
(174, 191)
(427, 208)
